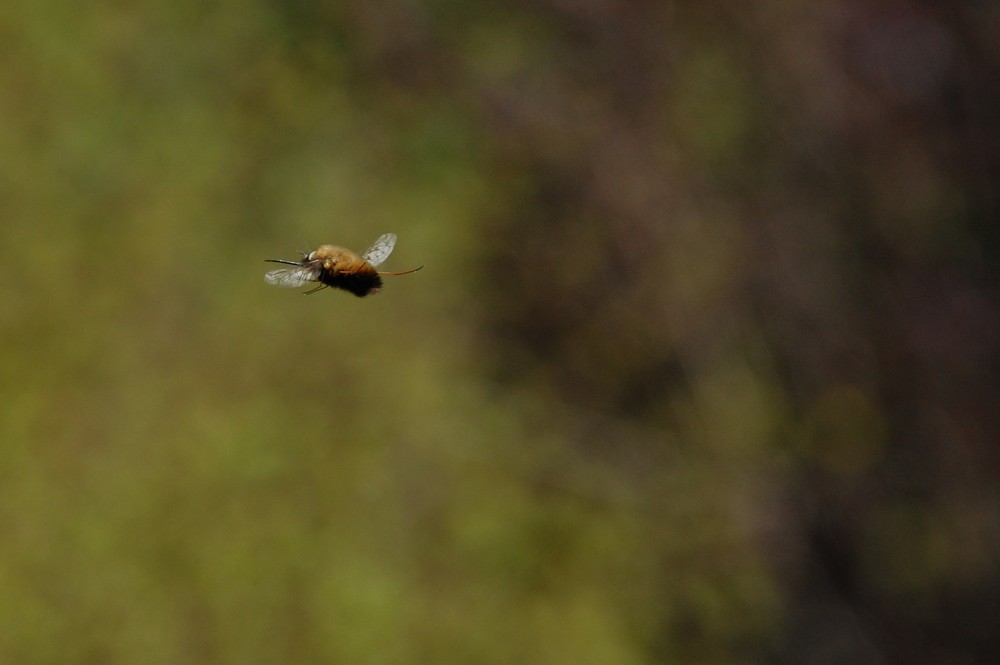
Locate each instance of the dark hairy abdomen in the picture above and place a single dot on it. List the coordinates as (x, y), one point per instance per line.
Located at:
(360, 283)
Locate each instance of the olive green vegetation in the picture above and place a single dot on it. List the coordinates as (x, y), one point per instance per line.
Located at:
(702, 367)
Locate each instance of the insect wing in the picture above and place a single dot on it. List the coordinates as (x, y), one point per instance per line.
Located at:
(381, 250)
(292, 278)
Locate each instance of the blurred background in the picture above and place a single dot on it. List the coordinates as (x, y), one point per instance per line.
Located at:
(702, 367)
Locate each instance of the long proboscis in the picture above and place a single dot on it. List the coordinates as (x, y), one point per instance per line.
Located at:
(405, 272)
(285, 261)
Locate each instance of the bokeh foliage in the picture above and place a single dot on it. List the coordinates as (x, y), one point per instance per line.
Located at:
(702, 367)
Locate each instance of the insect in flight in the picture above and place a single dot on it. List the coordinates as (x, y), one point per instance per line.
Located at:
(338, 267)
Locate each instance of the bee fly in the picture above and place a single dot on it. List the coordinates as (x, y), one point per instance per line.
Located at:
(338, 267)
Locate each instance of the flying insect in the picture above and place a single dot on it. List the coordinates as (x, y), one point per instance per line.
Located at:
(339, 268)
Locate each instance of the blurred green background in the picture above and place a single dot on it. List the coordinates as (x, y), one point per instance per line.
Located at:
(703, 367)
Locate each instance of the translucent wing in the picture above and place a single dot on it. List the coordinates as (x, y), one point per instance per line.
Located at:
(292, 277)
(381, 250)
